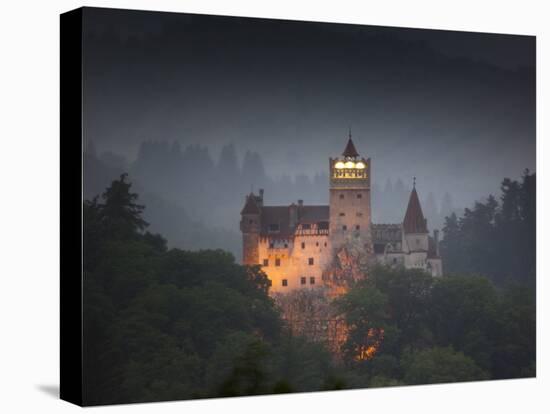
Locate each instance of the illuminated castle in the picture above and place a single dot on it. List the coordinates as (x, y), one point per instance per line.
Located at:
(296, 244)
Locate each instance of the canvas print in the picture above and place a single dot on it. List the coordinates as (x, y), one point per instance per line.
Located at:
(277, 206)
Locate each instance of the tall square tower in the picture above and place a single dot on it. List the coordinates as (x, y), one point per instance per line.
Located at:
(350, 199)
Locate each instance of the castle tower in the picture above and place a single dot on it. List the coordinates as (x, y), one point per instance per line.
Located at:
(250, 228)
(415, 226)
(350, 199)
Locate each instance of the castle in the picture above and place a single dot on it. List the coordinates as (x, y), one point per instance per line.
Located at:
(297, 244)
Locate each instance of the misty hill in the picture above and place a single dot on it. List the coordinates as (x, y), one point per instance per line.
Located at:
(289, 91)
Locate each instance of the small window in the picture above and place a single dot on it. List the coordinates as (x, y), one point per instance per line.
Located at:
(250, 221)
(303, 245)
(359, 214)
(271, 245)
(357, 227)
(312, 280)
(286, 245)
(310, 261)
(359, 195)
(302, 280)
(344, 227)
(342, 214)
(277, 262)
(269, 282)
(285, 282)
(317, 244)
(266, 262)
(325, 244)
(341, 196)
(273, 228)
(306, 226)
(394, 260)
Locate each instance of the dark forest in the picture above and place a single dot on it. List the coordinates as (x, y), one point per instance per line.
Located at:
(167, 323)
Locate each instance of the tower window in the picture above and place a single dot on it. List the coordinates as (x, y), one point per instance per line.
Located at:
(302, 280)
(277, 262)
(344, 227)
(273, 228)
(312, 280)
(341, 196)
(285, 282)
(342, 214)
(303, 245)
(266, 262)
(359, 195)
(306, 226)
(310, 261)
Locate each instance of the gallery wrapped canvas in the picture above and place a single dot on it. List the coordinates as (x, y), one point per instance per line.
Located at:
(254, 206)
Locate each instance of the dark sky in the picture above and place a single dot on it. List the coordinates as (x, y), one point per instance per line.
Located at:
(455, 109)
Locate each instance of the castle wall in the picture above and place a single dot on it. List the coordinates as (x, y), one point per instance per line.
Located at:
(293, 261)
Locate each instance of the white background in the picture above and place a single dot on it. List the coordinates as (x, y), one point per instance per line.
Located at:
(29, 207)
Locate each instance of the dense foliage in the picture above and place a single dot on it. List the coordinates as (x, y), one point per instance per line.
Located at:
(496, 239)
(164, 324)
(169, 324)
(457, 328)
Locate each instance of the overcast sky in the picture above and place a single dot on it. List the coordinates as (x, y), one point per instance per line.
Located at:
(455, 109)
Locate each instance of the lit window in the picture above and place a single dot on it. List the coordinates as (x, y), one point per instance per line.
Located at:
(266, 262)
(285, 282)
(312, 280)
(310, 261)
(302, 280)
(277, 262)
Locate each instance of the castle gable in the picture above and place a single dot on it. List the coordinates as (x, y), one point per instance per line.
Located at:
(278, 221)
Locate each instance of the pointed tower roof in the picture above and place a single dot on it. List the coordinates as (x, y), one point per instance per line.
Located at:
(414, 221)
(350, 150)
(250, 207)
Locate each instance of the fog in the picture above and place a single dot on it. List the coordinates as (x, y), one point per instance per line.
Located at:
(201, 109)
